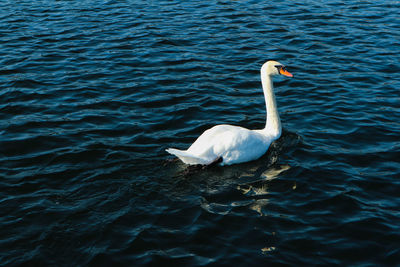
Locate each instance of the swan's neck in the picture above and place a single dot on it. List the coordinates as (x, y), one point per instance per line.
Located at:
(273, 124)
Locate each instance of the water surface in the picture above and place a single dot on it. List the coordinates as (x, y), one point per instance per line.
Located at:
(93, 92)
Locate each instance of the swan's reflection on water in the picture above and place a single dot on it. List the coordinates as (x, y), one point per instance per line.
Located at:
(257, 188)
(260, 187)
(273, 173)
(259, 205)
(254, 191)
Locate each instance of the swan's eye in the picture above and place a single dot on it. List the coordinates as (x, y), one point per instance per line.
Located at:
(279, 68)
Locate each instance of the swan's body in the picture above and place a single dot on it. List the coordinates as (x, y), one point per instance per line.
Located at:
(231, 144)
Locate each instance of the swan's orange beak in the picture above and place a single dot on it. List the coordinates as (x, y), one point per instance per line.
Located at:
(285, 72)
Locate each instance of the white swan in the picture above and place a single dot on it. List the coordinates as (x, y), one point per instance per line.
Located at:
(228, 144)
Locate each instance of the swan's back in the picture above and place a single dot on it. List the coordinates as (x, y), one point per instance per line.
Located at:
(233, 144)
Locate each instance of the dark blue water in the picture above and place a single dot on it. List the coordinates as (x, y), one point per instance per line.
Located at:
(93, 92)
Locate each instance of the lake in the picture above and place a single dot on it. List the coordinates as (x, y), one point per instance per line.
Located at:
(93, 92)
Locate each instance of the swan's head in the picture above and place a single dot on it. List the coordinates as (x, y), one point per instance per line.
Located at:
(273, 68)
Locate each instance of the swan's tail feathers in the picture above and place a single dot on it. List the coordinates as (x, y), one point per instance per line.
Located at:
(187, 157)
